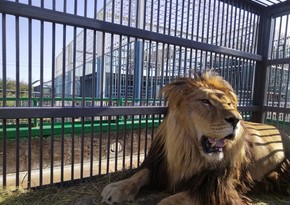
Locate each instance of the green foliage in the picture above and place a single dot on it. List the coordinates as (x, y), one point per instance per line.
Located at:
(11, 91)
(11, 88)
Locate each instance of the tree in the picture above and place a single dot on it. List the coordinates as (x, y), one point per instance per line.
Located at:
(11, 90)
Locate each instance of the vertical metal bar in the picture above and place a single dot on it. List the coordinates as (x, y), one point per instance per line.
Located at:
(148, 72)
(93, 101)
(179, 60)
(4, 145)
(83, 94)
(190, 63)
(119, 87)
(96, 9)
(287, 87)
(239, 29)
(52, 99)
(235, 24)
(139, 141)
(73, 94)
(243, 29)
(230, 18)
(203, 21)
(111, 69)
(165, 16)
(279, 38)
(285, 36)
(271, 70)
(132, 141)
(198, 22)
(133, 117)
(29, 155)
(63, 96)
(250, 29)
(217, 23)
(227, 36)
(248, 83)
(146, 138)
(182, 17)
(167, 62)
(41, 102)
(151, 15)
(185, 62)
(169, 23)
(158, 16)
(17, 97)
(103, 74)
(129, 13)
(162, 73)
(127, 53)
(141, 99)
(274, 90)
(108, 144)
(207, 32)
(187, 20)
(193, 17)
(176, 17)
(257, 23)
(156, 74)
(173, 60)
(127, 70)
(281, 69)
(4, 76)
(86, 8)
(222, 24)
(246, 28)
(110, 99)
(83, 99)
(286, 93)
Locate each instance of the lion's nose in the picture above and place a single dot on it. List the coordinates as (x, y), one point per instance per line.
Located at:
(233, 121)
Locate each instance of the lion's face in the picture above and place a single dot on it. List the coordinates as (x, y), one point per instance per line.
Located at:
(206, 105)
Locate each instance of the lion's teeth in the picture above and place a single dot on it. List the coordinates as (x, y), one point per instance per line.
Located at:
(213, 144)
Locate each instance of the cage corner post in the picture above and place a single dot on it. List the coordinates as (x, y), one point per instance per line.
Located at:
(261, 73)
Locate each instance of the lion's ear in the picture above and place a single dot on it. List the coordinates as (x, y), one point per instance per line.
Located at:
(176, 90)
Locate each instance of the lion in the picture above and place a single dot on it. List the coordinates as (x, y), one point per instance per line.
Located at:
(204, 153)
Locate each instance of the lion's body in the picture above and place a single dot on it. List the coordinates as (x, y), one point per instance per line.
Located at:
(203, 151)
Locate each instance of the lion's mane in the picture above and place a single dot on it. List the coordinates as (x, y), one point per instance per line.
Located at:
(176, 164)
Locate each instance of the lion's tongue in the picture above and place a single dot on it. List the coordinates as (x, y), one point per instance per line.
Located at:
(217, 142)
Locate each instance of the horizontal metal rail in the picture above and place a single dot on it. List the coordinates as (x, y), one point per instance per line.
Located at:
(278, 61)
(277, 109)
(73, 20)
(52, 112)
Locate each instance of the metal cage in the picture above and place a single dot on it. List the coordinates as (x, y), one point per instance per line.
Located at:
(80, 80)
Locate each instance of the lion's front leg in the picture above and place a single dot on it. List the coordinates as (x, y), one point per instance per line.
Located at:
(125, 190)
(181, 198)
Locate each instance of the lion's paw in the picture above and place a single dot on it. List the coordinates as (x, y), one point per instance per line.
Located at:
(119, 192)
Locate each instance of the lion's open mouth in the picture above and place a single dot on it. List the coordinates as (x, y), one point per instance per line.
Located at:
(211, 145)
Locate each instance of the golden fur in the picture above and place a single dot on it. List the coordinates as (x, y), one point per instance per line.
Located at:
(204, 152)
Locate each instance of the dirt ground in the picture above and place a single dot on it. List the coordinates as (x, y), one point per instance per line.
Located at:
(88, 193)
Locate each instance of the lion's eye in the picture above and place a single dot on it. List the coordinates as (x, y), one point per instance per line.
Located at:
(206, 101)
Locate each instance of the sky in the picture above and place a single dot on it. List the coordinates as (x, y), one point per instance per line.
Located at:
(36, 28)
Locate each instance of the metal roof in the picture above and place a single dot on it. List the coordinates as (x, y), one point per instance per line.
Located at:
(267, 3)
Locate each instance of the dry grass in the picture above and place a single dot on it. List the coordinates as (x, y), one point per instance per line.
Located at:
(88, 193)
